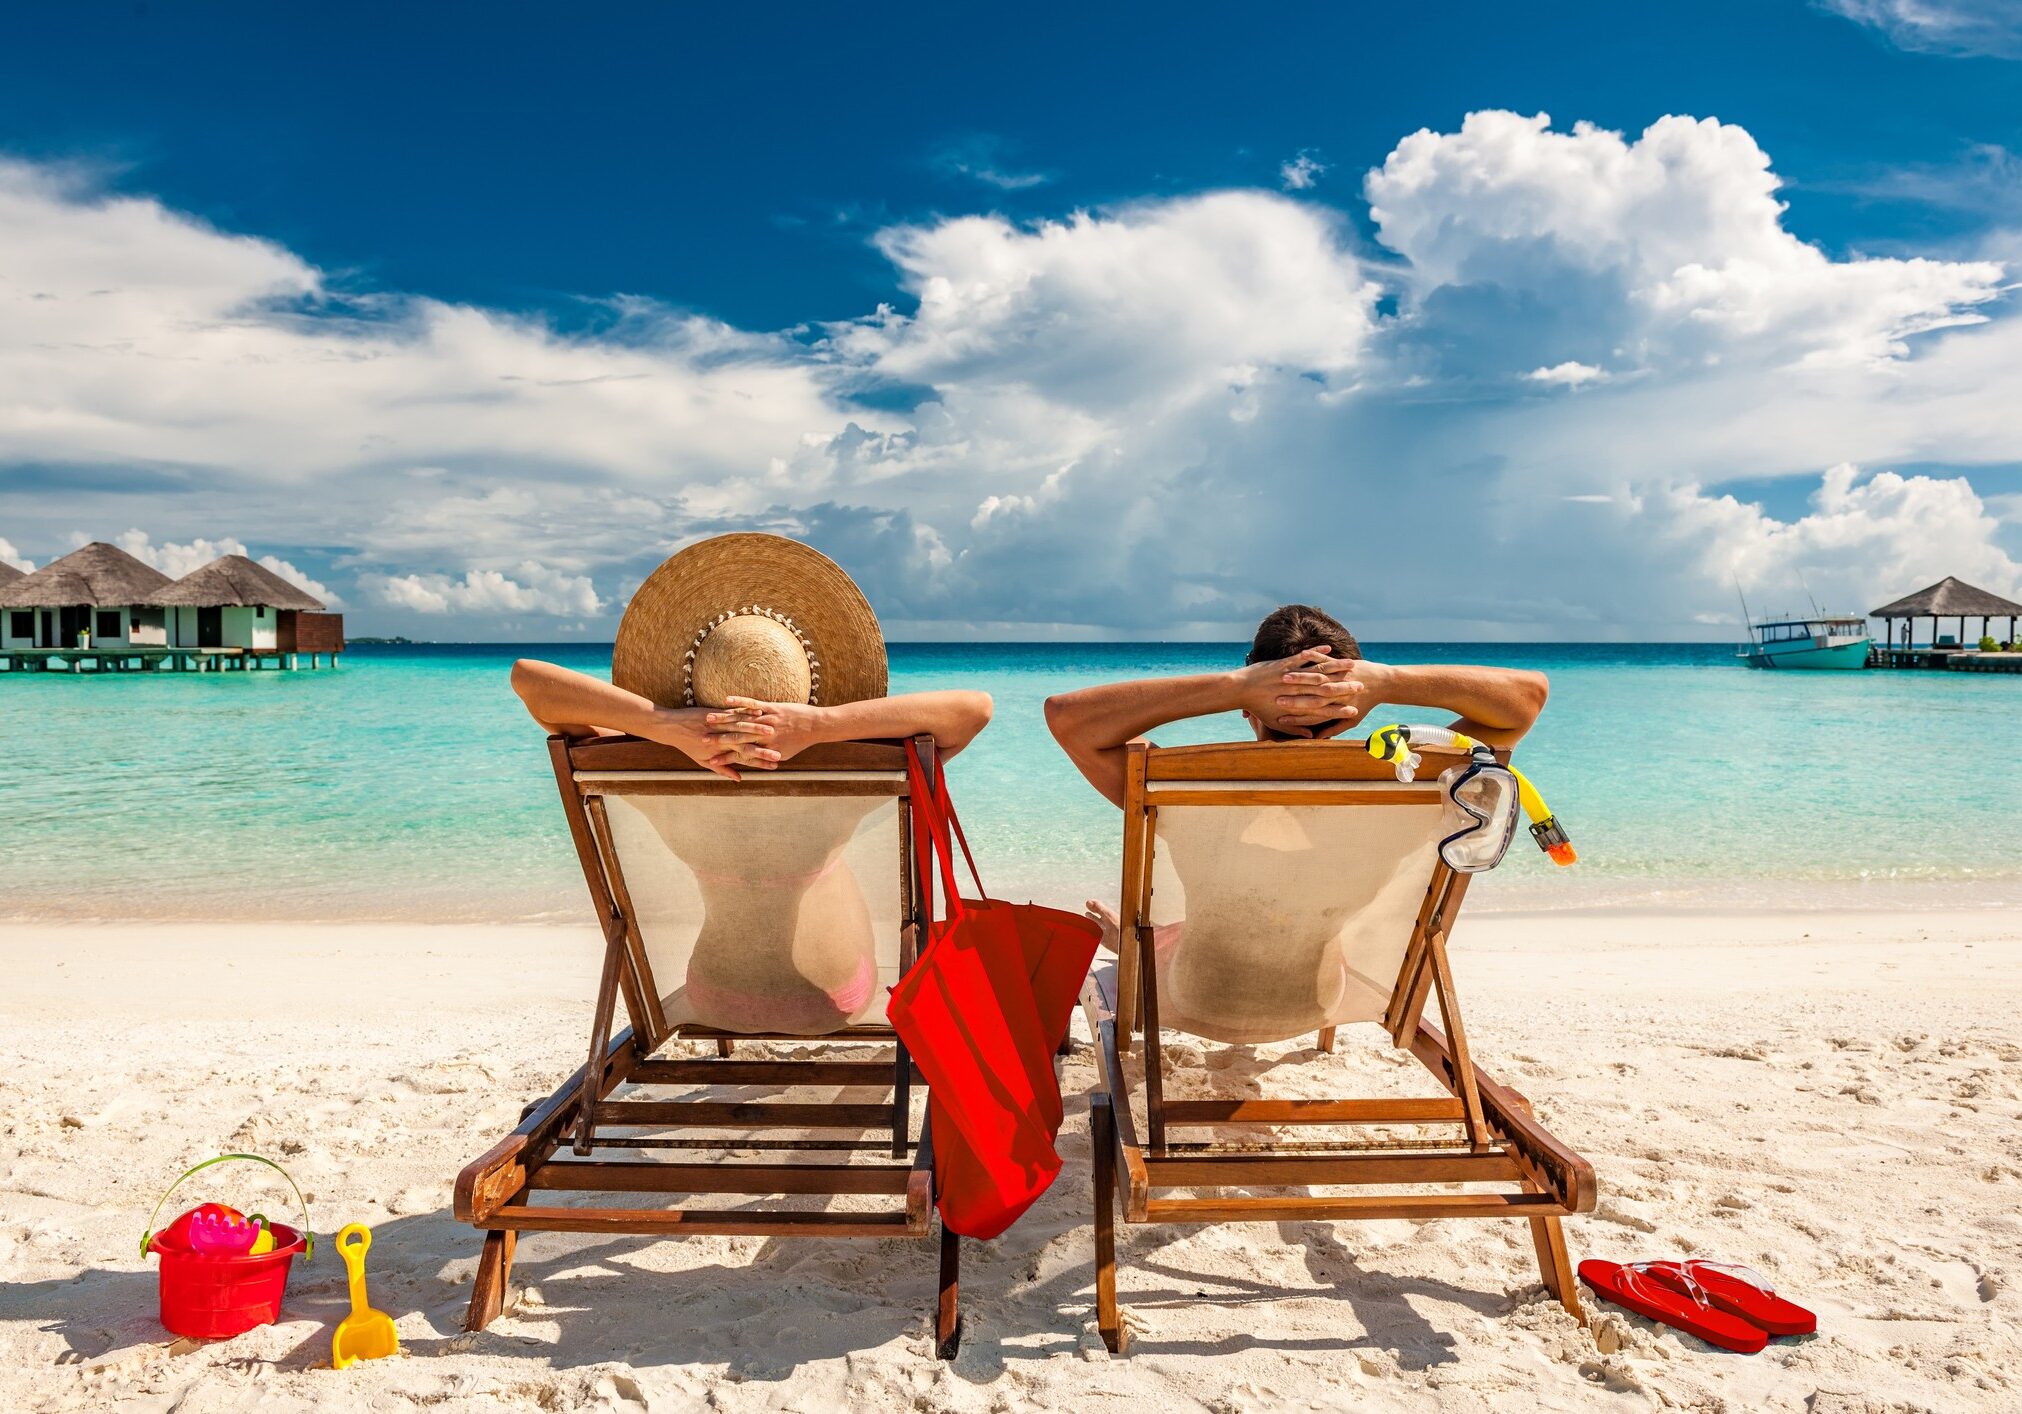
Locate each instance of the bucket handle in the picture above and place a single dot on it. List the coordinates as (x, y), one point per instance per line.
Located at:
(308, 1237)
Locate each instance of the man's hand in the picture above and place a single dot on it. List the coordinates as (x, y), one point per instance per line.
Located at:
(1331, 695)
(1163, 935)
(1311, 693)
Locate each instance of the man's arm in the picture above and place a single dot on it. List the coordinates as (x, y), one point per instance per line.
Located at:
(1313, 694)
(1096, 725)
(1494, 705)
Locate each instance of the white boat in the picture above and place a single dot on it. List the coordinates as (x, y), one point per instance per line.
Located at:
(1821, 643)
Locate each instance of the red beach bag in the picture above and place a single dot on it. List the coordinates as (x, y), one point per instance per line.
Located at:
(982, 1012)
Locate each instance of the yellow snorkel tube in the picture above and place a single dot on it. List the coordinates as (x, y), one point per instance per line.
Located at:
(1550, 835)
(1393, 744)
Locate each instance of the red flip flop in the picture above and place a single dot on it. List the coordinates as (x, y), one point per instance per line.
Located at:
(1738, 1289)
(1631, 1288)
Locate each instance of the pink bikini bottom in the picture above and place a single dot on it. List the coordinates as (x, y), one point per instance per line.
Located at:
(806, 1011)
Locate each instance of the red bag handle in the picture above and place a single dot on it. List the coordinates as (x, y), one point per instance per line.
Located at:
(930, 834)
(947, 804)
(933, 818)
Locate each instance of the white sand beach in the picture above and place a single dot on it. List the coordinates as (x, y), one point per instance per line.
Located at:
(1832, 1098)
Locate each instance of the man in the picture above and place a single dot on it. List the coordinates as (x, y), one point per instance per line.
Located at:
(1305, 676)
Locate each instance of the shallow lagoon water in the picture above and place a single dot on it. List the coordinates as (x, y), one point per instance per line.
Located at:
(408, 783)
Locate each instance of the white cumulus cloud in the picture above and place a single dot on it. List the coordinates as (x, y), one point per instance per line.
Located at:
(1148, 304)
(532, 588)
(1569, 374)
(178, 559)
(14, 557)
(1671, 246)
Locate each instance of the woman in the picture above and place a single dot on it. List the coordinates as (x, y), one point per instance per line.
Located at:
(741, 652)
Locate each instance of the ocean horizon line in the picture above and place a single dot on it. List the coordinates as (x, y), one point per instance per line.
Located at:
(401, 641)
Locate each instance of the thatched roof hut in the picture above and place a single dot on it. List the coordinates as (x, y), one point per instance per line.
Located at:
(1949, 598)
(8, 574)
(97, 576)
(233, 580)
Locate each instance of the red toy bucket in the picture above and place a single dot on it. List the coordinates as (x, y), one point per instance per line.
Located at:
(210, 1295)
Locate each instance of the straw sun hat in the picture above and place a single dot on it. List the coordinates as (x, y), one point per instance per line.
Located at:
(749, 615)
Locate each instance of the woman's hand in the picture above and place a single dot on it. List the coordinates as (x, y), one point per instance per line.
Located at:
(763, 734)
(688, 731)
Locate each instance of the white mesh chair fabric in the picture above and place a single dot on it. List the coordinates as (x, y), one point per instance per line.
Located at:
(1291, 917)
(764, 913)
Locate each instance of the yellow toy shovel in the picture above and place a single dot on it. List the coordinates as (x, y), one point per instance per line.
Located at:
(365, 1334)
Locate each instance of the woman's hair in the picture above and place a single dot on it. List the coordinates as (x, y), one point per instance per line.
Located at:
(1296, 627)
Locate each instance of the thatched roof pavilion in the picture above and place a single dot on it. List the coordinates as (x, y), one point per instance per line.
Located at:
(96, 576)
(233, 580)
(1949, 598)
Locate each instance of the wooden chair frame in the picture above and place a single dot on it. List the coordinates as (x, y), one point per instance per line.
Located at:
(1493, 1138)
(496, 1191)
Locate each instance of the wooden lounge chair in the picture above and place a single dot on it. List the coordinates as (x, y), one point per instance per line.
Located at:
(1312, 895)
(652, 830)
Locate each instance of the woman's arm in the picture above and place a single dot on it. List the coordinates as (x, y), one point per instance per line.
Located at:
(770, 732)
(1096, 725)
(574, 704)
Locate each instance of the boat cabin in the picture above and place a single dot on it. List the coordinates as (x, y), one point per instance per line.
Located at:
(1812, 631)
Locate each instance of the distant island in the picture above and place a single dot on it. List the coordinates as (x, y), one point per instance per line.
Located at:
(384, 642)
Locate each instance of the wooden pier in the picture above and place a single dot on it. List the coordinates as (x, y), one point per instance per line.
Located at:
(151, 660)
(1944, 660)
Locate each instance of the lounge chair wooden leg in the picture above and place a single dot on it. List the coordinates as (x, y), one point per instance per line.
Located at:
(724, 1046)
(902, 1101)
(948, 1309)
(1557, 1267)
(1102, 1129)
(1327, 1040)
(494, 1273)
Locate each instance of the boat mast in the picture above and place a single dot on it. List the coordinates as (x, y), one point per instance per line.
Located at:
(1817, 613)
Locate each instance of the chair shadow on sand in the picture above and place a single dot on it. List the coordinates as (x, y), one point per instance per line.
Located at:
(814, 1308)
(103, 1311)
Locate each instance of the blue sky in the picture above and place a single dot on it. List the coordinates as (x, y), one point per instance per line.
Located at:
(1145, 316)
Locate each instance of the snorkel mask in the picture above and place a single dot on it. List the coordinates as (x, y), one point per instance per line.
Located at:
(1481, 799)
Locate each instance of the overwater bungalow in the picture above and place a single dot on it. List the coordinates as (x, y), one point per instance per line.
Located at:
(97, 596)
(100, 609)
(233, 603)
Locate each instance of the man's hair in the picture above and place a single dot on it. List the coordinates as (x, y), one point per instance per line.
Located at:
(1296, 627)
(1293, 629)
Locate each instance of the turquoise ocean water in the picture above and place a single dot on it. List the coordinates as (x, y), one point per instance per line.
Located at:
(410, 784)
